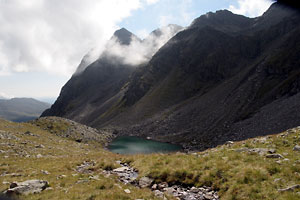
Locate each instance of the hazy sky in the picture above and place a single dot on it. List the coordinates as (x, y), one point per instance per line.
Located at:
(43, 41)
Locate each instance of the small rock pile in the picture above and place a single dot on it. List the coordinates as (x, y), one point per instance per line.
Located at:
(128, 174)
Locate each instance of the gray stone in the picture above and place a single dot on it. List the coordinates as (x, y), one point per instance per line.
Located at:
(127, 191)
(291, 188)
(229, 142)
(296, 148)
(39, 156)
(145, 182)
(121, 169)
(154, 187)
(209, 196)
(27, 187)
(40, 146)
(162, 185)
(274, 156)
(261, 151)
(45, 172)
(169, 190)
(194, 190)
(158, 193)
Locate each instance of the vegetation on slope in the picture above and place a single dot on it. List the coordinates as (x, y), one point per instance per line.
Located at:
(240, 170)
(29, 152)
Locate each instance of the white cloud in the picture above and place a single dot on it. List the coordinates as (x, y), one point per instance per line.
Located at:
(139, 52)
(5, 96)
(251, 8)
(142, 33)
(53, 35)
(152, 1)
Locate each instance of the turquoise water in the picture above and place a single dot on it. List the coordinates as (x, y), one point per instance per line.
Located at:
(136, 145)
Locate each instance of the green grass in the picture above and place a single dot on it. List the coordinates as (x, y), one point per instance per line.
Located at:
(235, 175)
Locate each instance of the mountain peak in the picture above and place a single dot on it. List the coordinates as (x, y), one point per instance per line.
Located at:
(124, 36)
(279, 10)
(275, 14)
(222, 20)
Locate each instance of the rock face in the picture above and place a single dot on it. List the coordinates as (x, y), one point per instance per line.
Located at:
(226, 77)
(27, 187)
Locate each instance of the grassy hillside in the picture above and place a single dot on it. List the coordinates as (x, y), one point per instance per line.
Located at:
(237, 170)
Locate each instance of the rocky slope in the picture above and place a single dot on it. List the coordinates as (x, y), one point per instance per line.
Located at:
(21, 109)
(226, 77)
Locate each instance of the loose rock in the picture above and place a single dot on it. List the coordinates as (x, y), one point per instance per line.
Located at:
(291, 188)
(145, 182)
(27, 187)
(274, 156)
(296, 148)
(127, 191)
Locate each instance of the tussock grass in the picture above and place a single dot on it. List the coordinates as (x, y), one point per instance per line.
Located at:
(60, 158)
(235, 175)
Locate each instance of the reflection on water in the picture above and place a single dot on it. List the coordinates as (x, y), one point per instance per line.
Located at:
(136, 145)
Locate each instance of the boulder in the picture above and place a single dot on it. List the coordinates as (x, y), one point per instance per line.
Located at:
(169, 190)
(27, 187)
(158, 193)
(163, 185)
(145, 182)
(296, 148)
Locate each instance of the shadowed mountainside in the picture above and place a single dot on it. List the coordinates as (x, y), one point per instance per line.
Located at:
(226, 77)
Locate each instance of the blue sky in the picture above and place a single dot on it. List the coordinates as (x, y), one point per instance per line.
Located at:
(171, 12)
(43, 41)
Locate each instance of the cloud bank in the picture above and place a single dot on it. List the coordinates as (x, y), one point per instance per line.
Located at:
(137, 52)
(53, 35)
(251, 8)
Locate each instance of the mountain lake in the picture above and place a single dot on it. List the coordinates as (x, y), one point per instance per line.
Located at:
(137, 145)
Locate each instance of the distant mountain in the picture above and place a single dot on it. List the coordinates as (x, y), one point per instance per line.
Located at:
(3, 96)
(124, 37)
(21, 109)
(225, 77)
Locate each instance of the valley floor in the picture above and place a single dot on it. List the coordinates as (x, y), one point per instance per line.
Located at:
(259, 168)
